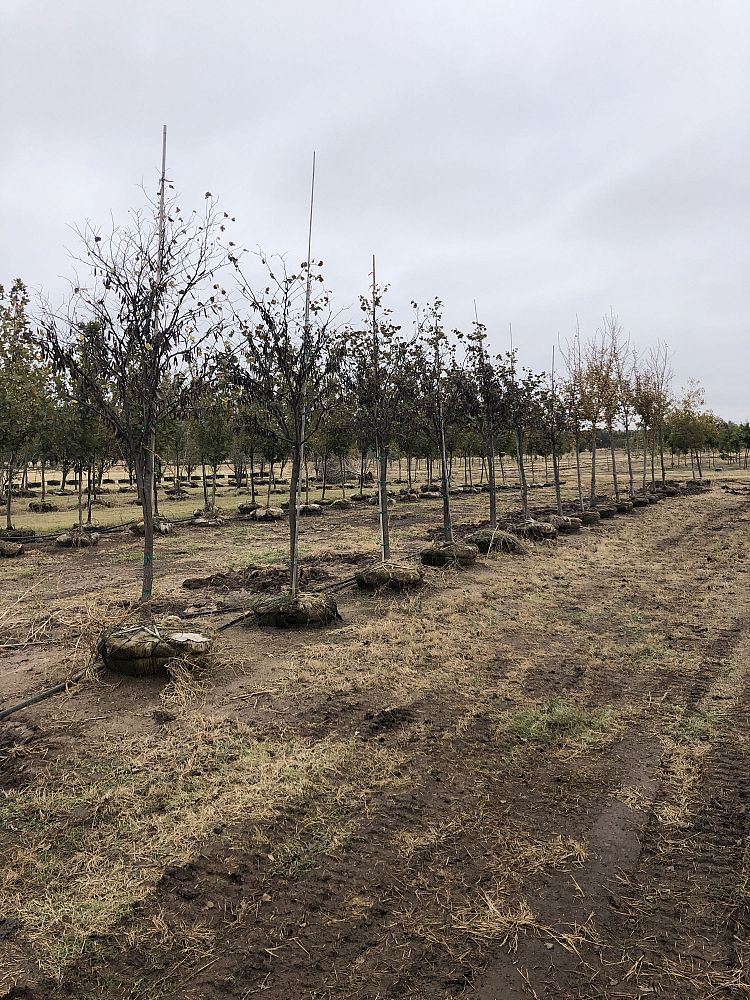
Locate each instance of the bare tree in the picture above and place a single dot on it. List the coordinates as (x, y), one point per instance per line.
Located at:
(621, 355)
(661, 368)
(595, 386)
(375, 373)
(645, 402)
(289, 356)
(149, 309)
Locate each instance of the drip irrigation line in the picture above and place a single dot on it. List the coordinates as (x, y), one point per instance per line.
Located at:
(41, 696)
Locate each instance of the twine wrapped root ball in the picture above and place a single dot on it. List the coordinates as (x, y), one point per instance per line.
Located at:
(311, 509)
(537, 531)
(247, 509)
(43, 507)
(268, 514)
(286, 611)
(624, 506)
(160, 528)
(589, 517)
(75, 540)
(639, 501)
(10, 550)
(450, 554)
(389, 576)
(146, 650)
(607, 510)
(487, 540)
(341, 504)
(208, 518)
(565, 523)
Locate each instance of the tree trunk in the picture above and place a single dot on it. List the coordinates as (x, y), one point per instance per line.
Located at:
(9, 497)
(205, 484)
(502, 468)
(343, 477)
(147, 487)
(661, 455)
(294, 499)
(578, 471)
(522, 474)
(447, 521)
(80, 498)
(325, 475)
(615, 484)
(385, 535)
(556, 474)
(630, 457)
(44, 481)
(592, 496)
(89, 492)
(492, 485)
(653, 455)
(251, 475)
(645, 454)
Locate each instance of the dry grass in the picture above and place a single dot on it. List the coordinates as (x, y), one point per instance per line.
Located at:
(93, 838)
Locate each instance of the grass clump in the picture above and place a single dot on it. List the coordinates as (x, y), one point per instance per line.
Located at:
(692, 726)
(555, 721)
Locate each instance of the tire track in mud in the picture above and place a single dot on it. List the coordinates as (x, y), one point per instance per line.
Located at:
(656, 863)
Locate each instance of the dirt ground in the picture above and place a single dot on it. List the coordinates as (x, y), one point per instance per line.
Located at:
(530, 779)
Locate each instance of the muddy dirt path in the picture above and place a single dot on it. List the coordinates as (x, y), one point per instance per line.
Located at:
(544, 790)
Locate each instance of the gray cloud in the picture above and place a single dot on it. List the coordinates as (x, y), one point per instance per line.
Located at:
(546, 158)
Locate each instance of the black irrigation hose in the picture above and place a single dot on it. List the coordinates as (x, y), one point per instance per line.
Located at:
(41, 696)
(104, 530)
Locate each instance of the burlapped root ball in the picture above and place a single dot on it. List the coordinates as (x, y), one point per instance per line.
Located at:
(77, 540)
(268, 514)
(537, 531)
(487, 540)
(565, 523)
(589, 517)
(147, 649)
(389, 576)
(287, 610)
(10, 550)
(160, 528)
(450, 554)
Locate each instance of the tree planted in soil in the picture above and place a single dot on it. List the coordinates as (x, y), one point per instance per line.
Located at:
(433, 363)
(148, 312)
(485, 404)
(375, 373)
(289, 356)
(521, 390)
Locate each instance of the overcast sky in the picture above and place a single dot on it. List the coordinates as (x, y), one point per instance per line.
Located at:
(546, 158)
